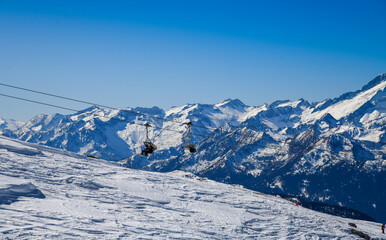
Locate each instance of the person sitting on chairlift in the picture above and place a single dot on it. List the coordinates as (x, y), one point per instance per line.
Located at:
(145, 151)
(148, 149)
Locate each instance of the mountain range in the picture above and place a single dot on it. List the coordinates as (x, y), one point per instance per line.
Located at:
(329, 152)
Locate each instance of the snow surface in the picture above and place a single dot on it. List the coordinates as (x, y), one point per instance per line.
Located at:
(96, 199)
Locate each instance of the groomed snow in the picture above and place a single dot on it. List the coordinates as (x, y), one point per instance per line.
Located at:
(95, 199)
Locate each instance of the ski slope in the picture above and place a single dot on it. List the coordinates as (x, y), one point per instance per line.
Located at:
(47, 193)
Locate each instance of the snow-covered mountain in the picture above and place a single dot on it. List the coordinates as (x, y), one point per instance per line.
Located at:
(329, 152)
(9, 126)
(46, 193)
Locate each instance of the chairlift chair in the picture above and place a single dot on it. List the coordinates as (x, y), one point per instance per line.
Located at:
(149, 146)
(188, 144)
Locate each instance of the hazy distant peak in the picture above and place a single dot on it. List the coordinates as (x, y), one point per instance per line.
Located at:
(151, 111)
(233, 103)
(90, 109)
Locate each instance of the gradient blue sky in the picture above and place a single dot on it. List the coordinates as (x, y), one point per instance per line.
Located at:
(169, 53)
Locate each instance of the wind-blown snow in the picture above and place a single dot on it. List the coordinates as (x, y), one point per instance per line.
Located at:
(95, 199)
(290, 104)
(252, 112)
(346, 107)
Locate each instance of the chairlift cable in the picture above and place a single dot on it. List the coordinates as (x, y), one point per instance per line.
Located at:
(101, 105)
(82, 111)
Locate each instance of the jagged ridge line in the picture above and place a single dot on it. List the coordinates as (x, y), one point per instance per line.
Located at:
(305, 151)
(118, 119)
(104, 106)
(166, 129)
(109, 107)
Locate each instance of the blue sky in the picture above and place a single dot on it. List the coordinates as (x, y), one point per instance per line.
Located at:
(169, 53)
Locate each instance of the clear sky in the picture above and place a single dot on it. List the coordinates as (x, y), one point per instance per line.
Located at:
(169, 53)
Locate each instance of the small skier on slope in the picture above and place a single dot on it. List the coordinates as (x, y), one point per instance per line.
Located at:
(383, 228)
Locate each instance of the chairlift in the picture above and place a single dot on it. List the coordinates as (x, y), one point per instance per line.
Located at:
(149, 146)
(187, 142)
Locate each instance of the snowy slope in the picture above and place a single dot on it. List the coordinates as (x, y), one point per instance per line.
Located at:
(54, 194)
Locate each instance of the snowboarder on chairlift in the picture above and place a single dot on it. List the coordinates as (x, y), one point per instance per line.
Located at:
(383, 228)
